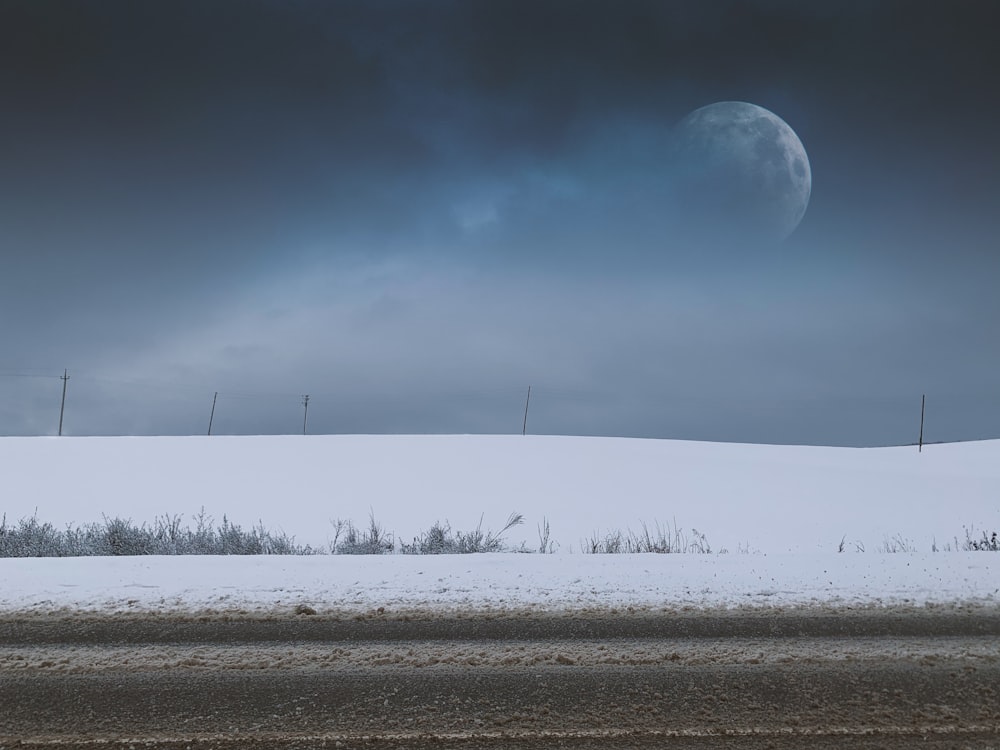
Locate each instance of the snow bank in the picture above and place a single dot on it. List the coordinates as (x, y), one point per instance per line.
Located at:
(500, 582)
(762, 497)
(791, 507)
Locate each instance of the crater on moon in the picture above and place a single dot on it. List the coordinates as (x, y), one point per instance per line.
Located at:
(738, 172)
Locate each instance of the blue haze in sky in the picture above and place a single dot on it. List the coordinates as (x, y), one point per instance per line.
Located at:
(414, 211)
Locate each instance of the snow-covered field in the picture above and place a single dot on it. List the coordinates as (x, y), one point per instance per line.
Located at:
(789, 507)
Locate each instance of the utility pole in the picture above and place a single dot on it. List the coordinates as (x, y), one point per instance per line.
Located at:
(211, 416)
(305, 412)
(62, 406)
(920, 443)
(524, 426)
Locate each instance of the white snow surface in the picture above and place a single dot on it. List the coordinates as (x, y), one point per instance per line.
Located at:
(494, 582)
(781, 512)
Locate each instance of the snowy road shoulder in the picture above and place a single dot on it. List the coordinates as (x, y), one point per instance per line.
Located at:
(493, 582)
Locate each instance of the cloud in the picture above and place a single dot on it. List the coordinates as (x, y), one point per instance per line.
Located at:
(391, 347)
(414, 212)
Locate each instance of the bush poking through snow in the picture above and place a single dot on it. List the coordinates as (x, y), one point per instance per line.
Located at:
(897, 543)
(441, 539)
(985, 543)
(121, 537)
(545, 545)
(30, 537)
(661, 540)
(167, 536)
(349, 540)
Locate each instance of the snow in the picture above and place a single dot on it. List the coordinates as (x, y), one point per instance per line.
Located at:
(780, 511)
(495, 581)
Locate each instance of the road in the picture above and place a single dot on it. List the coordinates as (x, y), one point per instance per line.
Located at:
(880, 678)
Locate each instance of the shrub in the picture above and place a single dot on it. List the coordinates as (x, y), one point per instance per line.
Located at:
(118, 536)
(440, 539)
(375, 540)
(661, 540)
(30, 538)
(985, 543)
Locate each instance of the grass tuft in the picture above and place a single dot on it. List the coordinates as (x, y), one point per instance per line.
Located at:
(349, 540)
(984, 543)
(662, 539)
(441, 539)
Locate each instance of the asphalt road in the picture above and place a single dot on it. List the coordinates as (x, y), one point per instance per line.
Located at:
(622, 679)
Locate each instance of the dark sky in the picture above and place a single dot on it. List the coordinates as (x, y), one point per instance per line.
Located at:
(412, 211)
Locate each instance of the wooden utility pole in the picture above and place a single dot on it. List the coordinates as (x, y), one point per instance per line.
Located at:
(211, 417)
(305, 412)
(62, 406)
(920, 442)
(524, 426)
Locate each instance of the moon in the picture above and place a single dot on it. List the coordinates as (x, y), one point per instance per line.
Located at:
(738, 172)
